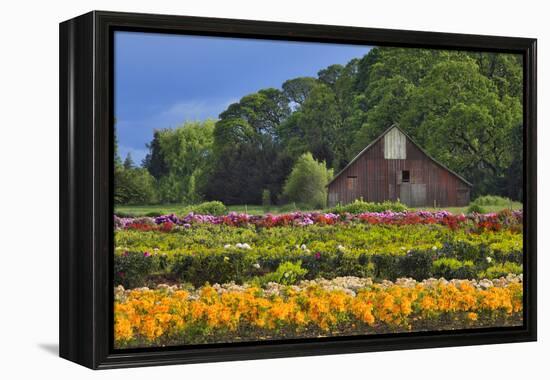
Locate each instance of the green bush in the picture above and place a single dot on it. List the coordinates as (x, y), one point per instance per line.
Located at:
(287, 273)
(132, 269)
(210, 208)
(501, 270)
(134, 186)
(417, 264)
(452, 268)
(474, 207)
(359, 206)
(307, 182)
(464, 250)
(203, 267)
(492, 200)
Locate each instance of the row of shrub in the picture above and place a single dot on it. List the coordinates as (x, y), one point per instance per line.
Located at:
(353, 239)
(359, 206)
(135, 269)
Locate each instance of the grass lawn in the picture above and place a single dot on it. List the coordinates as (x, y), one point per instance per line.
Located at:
(463, 210)
(142, 210)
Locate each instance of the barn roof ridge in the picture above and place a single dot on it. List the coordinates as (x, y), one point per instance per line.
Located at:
(396, 125)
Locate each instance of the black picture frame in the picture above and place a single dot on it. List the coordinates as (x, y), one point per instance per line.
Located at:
(86, 187)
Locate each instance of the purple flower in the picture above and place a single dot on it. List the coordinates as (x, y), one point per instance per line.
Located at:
(318, 255)
(146, 254)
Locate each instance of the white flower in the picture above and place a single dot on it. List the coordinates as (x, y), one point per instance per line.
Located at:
(238, 245)
(227, 246)
(489, 259)
(340, 247)
(245, 246)
(434, 248)
(257, 266)
(287, 274)
(304, 247)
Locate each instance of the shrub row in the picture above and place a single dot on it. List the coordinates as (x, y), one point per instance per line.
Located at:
(134, 269)
(355, 239)
(359, 206)
(213, 253)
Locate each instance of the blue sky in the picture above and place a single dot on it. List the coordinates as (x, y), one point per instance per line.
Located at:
(163, 80)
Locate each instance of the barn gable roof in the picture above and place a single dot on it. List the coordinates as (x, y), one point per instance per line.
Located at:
(412, 141)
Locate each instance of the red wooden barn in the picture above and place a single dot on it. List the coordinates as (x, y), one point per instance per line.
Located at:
(393, 167)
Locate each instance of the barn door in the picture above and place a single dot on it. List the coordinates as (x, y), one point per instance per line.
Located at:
(413, 194)
(418, 194)
(405, 193)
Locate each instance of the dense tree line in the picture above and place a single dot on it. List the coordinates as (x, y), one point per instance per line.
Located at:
(464, 108)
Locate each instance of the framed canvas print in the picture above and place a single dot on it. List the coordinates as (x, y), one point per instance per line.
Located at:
(237, 189)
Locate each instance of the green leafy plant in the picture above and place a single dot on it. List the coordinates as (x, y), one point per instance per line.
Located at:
(502, 270)
(453, 268)
(132, 269)
(359, 206)
(210, 208)
(476, 208)
(287, 273)
(307, 182)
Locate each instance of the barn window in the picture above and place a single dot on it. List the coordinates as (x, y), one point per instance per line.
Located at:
(351, 182)
(406, 176)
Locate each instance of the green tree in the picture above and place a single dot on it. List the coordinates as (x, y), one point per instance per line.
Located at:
(297, 90)
(128, 162)
(457, 115)
(134, 186)
(248, 152)
(307, 182)
(155, 161)
(185, 153)
(463, 108)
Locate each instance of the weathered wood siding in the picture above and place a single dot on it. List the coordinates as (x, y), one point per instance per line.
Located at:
(395, 145)
(379, 179)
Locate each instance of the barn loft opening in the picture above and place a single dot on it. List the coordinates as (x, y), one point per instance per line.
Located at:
(351, 182)
(406, 176)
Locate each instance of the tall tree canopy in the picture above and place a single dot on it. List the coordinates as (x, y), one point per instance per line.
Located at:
(178, 159)
(464, 108)
(248, 155)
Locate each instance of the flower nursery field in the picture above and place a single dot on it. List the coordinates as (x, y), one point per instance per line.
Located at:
(236, 277)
